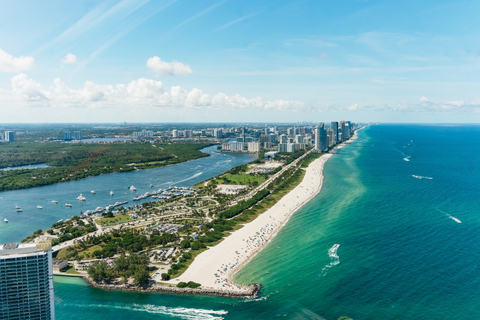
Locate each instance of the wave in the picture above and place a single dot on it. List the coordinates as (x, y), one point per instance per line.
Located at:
(334, 259)
(421, 177)
(179, 312)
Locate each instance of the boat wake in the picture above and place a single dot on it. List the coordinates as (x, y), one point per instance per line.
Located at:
(191, 177)
(421, 177)
(334, 259)
(454, 219)
(407, 158)
(181, 313)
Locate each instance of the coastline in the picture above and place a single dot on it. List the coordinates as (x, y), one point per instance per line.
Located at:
(216, 267)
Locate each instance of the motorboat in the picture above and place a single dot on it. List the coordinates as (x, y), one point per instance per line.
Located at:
(81, 198)
(92, 192)
(111, 193)
(17, 207)
(54, 201)
(5, 220)
(68, 205)
(19, 210)
(39, 207)
(132, 188)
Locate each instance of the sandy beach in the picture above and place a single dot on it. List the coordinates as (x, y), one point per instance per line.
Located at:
(216, 267)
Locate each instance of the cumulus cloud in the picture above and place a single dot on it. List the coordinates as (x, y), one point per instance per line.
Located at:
(8, 63)
(70, 59)
(163, 68)
(424, 99)
(139, 93)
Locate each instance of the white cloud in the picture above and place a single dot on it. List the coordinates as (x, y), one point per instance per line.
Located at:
(424, 99)
(70, 59)
(140, 94)
(8, 63)
(163, 68)
(27, 88)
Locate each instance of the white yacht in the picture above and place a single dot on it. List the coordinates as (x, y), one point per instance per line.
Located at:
(68, 205)
(17, 207)
(5, 220)
(81, 198)
(19, 210)
(132, 188)
(39, 207)
(111, 193)
(92, 192)
(54, 201)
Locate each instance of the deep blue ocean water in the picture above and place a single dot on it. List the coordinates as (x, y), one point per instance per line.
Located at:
(400, 203)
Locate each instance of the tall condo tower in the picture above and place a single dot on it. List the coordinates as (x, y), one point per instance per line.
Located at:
(26, 281)
(321, 142)
(334, 127)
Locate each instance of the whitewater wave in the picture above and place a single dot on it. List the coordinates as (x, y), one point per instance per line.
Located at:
(334, 259)
(421, 177)
(182, 313)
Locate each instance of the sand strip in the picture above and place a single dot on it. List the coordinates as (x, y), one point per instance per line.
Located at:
(215, 267)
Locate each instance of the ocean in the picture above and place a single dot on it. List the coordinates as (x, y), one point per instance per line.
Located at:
(394, 234)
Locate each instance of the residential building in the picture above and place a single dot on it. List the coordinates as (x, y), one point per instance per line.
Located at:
(290, 147)
(26, 281)
(77, 135)
(217, 133)
(67, 136)
(253, 147)
(236, 146)
(272, 138)
(334, 127)
(283, 138)
(321, 143)
(9, 136)
(174, 133)
(282, 147)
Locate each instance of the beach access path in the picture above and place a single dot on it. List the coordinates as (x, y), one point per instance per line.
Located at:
(216, 267)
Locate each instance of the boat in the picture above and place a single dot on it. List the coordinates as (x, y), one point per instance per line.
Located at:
(39, 207)
(81, 198)
(151, 186)
(111, 193)
(136, 198)
(132, 188)
(92, 192)
(17, 207)
(19, 210)
(5, 220)
(68, 205)
(54, 201)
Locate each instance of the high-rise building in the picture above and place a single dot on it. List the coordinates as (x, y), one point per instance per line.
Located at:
(272, 138)
(282, 147)
(344, 130)
(290, 131)
(174, 133)
(217, 133)
(334, 127)
(291, 147)
(253, 147)
(77, 135)
(321, 143)
(9, 136)
(283, 138)
(26, 281)
(67, 135)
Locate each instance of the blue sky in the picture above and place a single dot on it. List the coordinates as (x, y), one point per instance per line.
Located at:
(232, 61)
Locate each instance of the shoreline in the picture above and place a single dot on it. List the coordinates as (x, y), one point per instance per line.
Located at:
(242, 245)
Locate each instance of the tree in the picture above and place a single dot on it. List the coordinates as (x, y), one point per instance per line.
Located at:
(141, 277)
(165, 276)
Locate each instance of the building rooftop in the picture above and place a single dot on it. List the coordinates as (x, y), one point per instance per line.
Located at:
(23, 248)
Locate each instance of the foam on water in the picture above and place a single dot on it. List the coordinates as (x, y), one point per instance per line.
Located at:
(421, 177)
(182, 313)
(189, 178)
(407, 158)
(334, 259)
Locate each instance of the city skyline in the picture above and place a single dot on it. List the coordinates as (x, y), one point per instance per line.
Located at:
(224, 61)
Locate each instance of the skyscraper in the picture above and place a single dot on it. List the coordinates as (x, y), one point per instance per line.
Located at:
(321, 143)
(334, 127)
(67, 135)
(26, 281)
(77, 135)
(10, 136)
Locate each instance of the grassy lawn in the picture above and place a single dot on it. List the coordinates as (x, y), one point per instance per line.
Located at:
(70, 270)
(116, 219)
(239, 179)
(90, 250)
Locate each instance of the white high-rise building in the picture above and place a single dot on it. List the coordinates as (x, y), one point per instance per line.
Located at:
(26, 281)
(217, 133)
(253, 147)
(321, 143)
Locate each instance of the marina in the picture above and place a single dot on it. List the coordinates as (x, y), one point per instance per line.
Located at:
(110, 190)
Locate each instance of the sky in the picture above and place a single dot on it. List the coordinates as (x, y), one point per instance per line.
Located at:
(239, 61)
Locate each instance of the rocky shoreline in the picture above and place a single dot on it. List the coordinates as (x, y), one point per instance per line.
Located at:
(250, 291)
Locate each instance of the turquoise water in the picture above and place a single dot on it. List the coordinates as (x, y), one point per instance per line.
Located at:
(393, 201)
